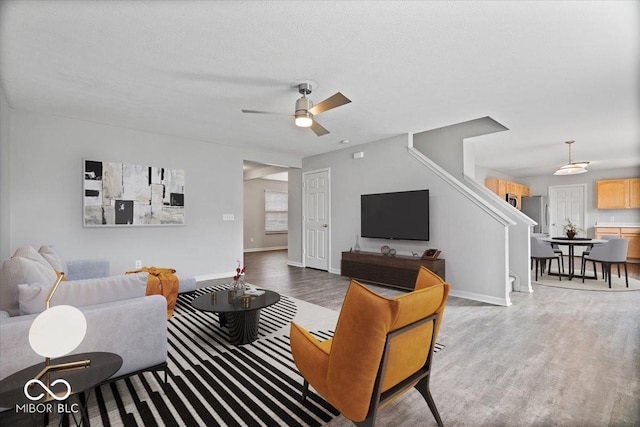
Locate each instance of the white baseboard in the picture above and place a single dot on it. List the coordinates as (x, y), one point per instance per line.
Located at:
(480, 297)
(334, 271)
(274, 248)
(295, 264)
(214, 276)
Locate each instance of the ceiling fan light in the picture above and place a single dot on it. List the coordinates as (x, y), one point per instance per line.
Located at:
(304, 120)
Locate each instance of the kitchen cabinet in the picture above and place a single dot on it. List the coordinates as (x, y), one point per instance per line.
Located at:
(634, 193)
(632, 234)
(618, 193)
(501, 187)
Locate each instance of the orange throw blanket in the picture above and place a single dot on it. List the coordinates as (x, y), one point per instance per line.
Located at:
(162, 281)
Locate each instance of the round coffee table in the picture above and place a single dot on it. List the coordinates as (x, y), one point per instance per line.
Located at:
(243, 322)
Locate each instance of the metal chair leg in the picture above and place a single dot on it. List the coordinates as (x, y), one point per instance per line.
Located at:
(423, 387)
(305, 390)
(626, 277)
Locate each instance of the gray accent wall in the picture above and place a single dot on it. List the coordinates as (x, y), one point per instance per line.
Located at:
(255, 237)
(44, 198)
(458, 226)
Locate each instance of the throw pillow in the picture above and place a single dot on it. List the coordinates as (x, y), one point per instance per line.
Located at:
(25, 266)
(80, 293)
(49, 254)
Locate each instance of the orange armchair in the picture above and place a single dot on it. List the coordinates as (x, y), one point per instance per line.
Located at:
(381, 348)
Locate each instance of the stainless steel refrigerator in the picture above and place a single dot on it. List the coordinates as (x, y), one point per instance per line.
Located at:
(537, 208)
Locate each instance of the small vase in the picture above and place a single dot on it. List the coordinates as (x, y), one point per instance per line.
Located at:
(357, 246)
(238, 288)
(571, 234)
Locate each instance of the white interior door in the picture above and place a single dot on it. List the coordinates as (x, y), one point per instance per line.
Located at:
(567, 201)
(316, 219)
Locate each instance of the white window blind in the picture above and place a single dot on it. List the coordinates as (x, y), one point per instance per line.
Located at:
(276, 212)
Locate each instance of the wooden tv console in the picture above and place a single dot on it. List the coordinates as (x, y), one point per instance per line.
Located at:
(398, 271)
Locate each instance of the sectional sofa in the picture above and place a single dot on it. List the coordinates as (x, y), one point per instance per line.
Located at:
(110, 304)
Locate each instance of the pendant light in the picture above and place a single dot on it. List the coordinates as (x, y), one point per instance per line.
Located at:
(572, 168)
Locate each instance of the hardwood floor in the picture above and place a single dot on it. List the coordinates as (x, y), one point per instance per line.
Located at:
(556, 357)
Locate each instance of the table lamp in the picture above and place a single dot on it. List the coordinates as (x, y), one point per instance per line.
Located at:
(57, 331)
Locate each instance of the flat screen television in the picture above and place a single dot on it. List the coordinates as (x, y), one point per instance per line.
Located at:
(402, 215)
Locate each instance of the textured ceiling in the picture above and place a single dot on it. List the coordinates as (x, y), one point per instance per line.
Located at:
(548, 71)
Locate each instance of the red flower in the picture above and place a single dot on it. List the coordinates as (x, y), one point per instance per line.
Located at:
(239, 271)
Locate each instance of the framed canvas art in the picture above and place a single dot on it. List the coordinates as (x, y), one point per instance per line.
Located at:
(119, 194)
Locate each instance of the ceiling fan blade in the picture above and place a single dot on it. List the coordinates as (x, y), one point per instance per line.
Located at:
(333, 101)
(263, 112)
(318, 129)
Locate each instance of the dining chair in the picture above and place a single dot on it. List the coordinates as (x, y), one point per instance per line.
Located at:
(588, 251)
(554, 246)
(543, 252)
(612, 252)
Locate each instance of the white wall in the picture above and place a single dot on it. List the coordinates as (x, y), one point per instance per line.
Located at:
(295, 218)
(480, 174)
(5, 162)
(46, 157)
(458, 226)
(254, 215)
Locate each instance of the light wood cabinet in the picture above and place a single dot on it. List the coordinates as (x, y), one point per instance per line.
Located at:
(632, 234)
(501, 187)
(496, 185)
(618, 194)
(634, 193)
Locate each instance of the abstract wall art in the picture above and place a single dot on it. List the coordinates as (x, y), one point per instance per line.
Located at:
(118, 194)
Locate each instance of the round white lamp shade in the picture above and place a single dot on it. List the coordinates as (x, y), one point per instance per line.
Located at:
(57, 331)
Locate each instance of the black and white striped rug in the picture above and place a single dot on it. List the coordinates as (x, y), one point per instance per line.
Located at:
(212, 383)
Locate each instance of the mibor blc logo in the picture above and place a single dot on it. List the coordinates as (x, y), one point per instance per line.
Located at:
(29, 383)
(32, 387)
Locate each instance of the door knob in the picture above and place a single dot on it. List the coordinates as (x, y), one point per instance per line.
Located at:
(325, 225)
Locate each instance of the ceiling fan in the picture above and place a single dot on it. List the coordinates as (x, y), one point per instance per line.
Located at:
(305, 110)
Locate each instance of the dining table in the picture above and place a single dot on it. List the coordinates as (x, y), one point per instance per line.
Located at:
(571, 244)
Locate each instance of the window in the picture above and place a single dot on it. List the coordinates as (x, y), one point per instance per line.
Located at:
(276, 212)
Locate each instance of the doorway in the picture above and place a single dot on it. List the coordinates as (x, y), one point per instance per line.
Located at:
(316, 214)
(567, 202)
